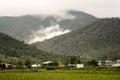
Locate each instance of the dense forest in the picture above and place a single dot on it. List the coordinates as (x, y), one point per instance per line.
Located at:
(12, 49)
(100, 40)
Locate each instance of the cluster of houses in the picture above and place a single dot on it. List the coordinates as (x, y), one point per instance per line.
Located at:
(106, 63)
(47, 63)
(109, 63)
(61, 65)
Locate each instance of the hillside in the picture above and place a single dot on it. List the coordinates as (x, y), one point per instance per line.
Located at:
(10, 47)
(22, 27)
(99, 40)
(79, 19)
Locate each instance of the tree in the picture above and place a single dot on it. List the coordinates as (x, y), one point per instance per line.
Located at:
(73, 60)
(92, 63)
(28, 63)
(20, 63)
(2, 66)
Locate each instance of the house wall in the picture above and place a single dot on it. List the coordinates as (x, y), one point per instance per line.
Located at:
(80, 66)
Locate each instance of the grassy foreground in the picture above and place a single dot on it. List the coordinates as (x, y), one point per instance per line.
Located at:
(78, 74)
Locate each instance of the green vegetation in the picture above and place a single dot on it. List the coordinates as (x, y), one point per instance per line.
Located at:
(79, 20)
(73, 74)
(51, 67)
(100, 40)
(17, 52)
(21, 27)
(92, 63)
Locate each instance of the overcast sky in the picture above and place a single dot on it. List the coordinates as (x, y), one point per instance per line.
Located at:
(98, 8)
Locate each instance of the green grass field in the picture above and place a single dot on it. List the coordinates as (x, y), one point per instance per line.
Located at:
(73, 74)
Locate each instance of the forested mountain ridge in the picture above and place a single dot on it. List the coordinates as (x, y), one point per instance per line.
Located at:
(22, 27)
(10, 47)
(79, 20)
(98, 40)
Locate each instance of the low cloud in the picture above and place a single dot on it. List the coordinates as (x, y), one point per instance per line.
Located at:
(47, 33)
(98, 8)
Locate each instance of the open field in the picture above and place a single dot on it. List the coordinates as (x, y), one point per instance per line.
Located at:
(72, 74)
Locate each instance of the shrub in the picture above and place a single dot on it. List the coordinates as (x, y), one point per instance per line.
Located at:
(51, 67)
(20, 67)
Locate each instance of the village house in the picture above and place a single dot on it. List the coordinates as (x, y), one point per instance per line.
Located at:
(6, 66)
(76, 65)
(46, 63)
(35, 65)
(50, 63)
(109, 63)
(79, 65)
(61, 65)
(117, 64)
(72, 65)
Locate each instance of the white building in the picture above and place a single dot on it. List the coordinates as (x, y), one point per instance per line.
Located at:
(100, 63)
(76, 65)
(117, 64)
(108, 63)
(80, 66)
(71, 65)
(47, 62)
(35, 65)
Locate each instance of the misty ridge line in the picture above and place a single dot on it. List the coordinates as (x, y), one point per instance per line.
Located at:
(34, 28)
(46, 33)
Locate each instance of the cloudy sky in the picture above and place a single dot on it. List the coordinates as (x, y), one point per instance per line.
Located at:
(98, 8)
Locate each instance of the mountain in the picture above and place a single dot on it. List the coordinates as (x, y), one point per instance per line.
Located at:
(11, 47)
(99, 40)
(24, 27)
(79, 19)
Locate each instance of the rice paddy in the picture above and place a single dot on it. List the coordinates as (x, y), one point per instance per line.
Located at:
(61, 74)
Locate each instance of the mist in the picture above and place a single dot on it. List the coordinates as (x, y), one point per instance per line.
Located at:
(98, 8)
(46, 33)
